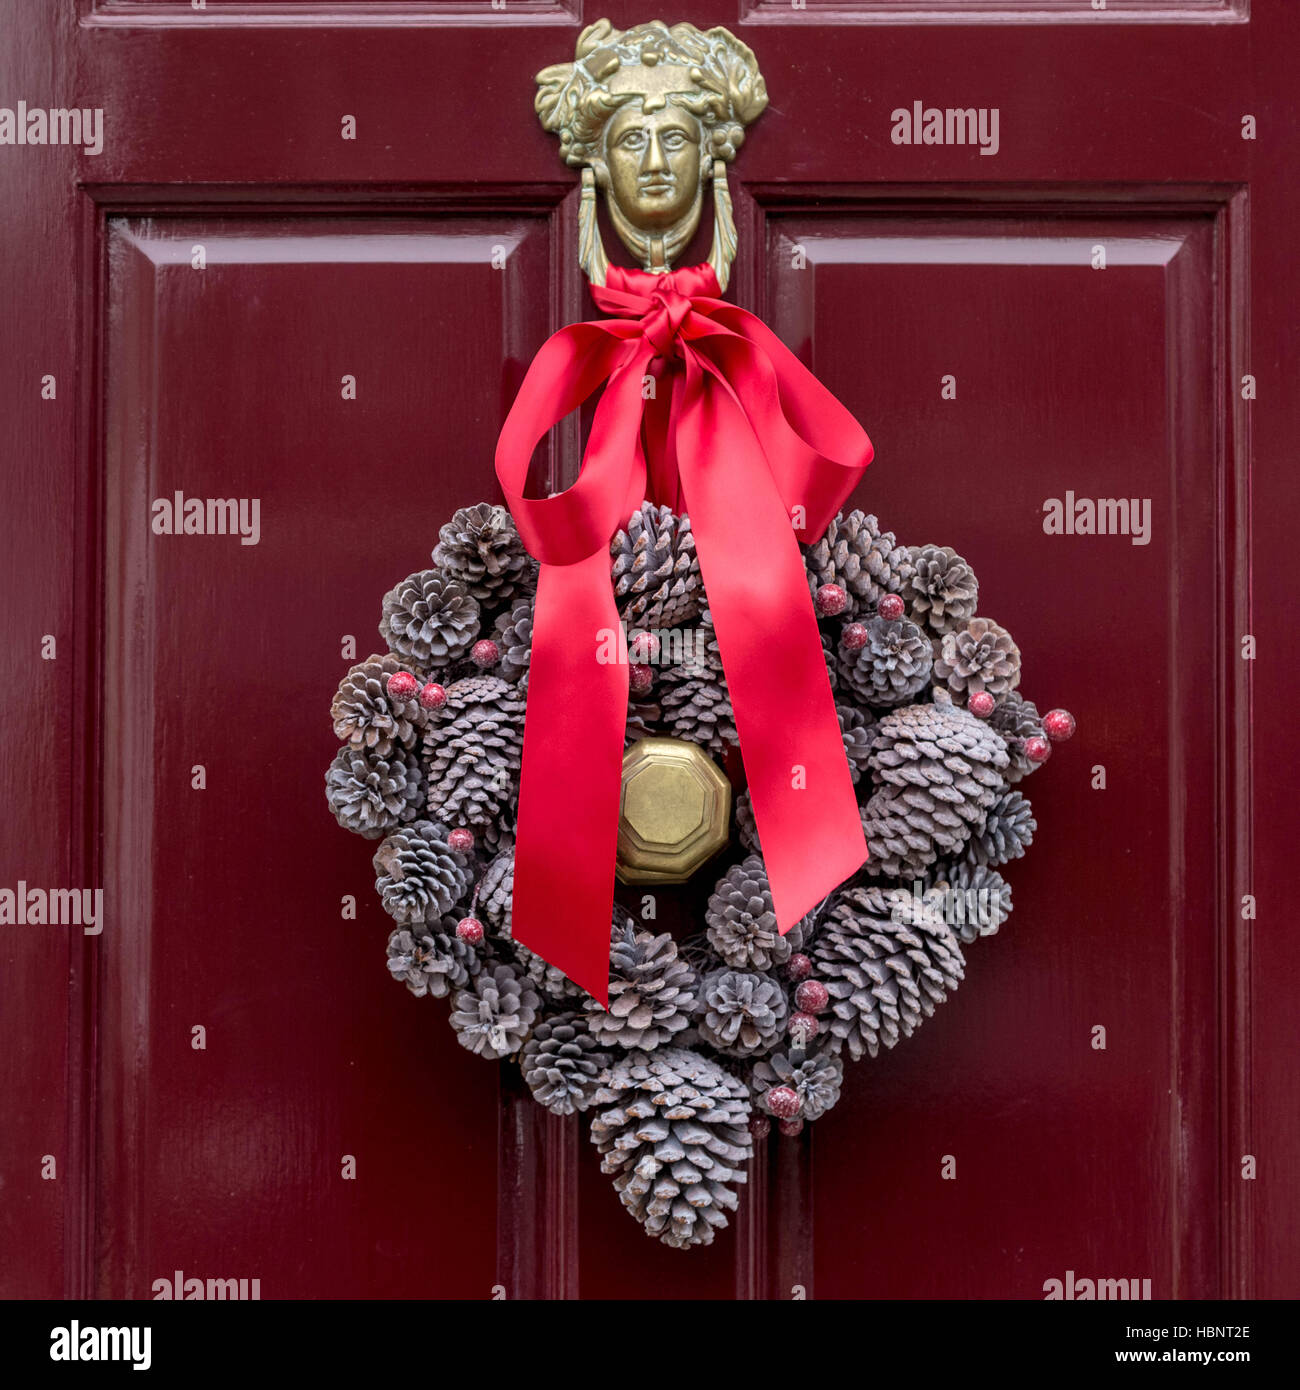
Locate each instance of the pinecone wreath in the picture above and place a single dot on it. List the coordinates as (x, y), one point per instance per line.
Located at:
(708, 1040)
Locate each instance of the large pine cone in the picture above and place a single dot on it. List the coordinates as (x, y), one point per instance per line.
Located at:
(432, 962)
(815, 1078)
(742, 1011)
(1017, 720)
(514, 635)
(979, 656)
(940, 769)
(887, 960)
(480, 549)
(1007, 832)
(674, 1135)
(975, 900)
(429, 619)
(367, 716)
(863, 560)
(940, 590)
(495, 1013)
(474, 749)
(420, 877)
(893, 667)
(656, 573)
(371, 794)
(699, 711)
(651, 990)
(563, 1064)
(742, 922)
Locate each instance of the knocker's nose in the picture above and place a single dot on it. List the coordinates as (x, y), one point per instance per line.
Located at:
(664, 320)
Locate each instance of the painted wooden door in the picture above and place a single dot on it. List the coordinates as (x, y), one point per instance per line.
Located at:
(232, 298)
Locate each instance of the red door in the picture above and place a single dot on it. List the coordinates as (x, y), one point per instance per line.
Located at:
(182, 310)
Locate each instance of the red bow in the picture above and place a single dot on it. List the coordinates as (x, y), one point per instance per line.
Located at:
(740, 436)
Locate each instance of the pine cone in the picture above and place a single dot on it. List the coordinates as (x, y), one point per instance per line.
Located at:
(974, 899)
(887, 960)
(941, 590)
(904, 840)
(892, 668)
(746, 826)
(675, 1133)
(367, 716)
(421, 878)
(742, 1012)
(480, 549)
(656, 573)
(473, 751)
(863, 560)
(815, 1078)
(496, 893)
(371, 794)
(432, 962)
(699, 711)
(563, 1064)
(495, 1013)
(514, 635)
(644, 720)
(429, 619)
(1017, 719)
(855, 730)
(651, 990)
(831, 659)
(979, 656)
(742, 923)
(1007, 832)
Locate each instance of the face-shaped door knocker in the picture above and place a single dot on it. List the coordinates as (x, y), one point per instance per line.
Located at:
(652, 115)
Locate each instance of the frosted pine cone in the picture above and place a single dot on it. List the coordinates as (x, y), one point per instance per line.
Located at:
(699, 711)
(974, 899)
(940, 590)
(474, 749)
(893, 667)
(742, 923)
(888, 960)
(480, 549)
(495, 1013)
(674, 1133)
(1017, 719)
(371, 795)
(514, 635)
(420, 877)
(856, 554)
(651, 990)
(563, 1064)
(431, 962)
(1007, 832)
(746, 826)
(655, 570)
(815, 1078)
(367, 716)
(742, 1011)
(855, 730)
(429, 619)
(979, 656)
(495, 896)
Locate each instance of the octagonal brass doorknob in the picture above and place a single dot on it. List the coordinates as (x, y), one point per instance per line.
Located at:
(674, 812)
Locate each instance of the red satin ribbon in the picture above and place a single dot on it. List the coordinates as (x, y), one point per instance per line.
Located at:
(747, 442)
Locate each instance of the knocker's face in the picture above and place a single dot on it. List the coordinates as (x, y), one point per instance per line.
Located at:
(653, 159)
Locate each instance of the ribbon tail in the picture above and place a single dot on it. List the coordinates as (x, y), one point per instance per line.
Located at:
(805, 808)
(572, 773)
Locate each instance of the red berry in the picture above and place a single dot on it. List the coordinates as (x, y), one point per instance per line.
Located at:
(799, 966)
(640, 679)
(812, 996)
(470, 930)
(784, 1102)
(981, 704)
(432, 696)
(890, 608)
(485, 653)
(1058, 724)
(790, 1128)
(644, 647)
(1037, 750)
(803, 1027)
(831, 599)
(760, 1126)
(854, 637)
(402, 685)
(462, 840)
